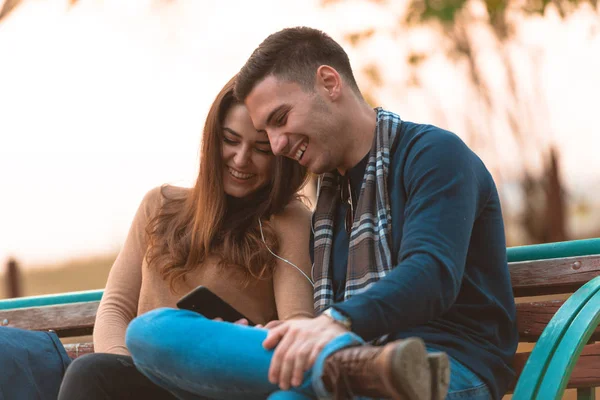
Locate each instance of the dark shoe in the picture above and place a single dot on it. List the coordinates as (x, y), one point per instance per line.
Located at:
(399, 370)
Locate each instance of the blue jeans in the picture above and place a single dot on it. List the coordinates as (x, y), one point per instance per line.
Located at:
(32, 364)
(464, 383)
(198, 358)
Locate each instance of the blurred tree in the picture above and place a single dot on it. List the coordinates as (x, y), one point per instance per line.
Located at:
(518, 103)
(9, 5)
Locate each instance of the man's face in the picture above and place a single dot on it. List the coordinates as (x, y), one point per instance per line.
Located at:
(300, 124)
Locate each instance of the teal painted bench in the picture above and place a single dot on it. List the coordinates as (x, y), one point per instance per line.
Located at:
(565, 355)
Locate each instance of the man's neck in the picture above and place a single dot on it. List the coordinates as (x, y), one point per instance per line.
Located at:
(360, 130)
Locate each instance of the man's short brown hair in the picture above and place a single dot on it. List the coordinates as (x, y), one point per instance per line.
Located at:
(293, 54)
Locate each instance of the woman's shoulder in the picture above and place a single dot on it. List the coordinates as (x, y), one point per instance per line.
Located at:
(155, 197)
(296, 215)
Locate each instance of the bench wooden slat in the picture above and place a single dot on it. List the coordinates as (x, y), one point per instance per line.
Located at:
(543, 277)
(76, 319)
(533, 317)
(585, 374)
(75, 350)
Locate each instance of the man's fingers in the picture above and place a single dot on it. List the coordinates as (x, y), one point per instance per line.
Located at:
(294, 358)
(273, 324)
(300, 363)
(242, 321)
(274, 336)
(218, 319)
(278, 357)
(285, 371)
(270, 325)
(315, 351)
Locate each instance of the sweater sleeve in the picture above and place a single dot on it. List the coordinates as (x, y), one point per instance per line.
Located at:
(442, 194)
(293, 292)
(120, 299)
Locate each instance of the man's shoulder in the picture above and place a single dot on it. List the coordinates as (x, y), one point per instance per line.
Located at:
(428, 145)
(409, 131)
(417, 138)
(428, 133)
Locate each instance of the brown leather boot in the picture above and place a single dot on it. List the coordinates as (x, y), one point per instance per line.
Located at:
(439, 366)
(399, 370)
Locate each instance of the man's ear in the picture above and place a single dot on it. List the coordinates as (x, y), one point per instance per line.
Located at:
(329, 81)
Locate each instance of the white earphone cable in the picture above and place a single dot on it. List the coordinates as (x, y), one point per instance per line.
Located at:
(281, 258)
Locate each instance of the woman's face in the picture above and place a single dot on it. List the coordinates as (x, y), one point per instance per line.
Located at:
(247, 156)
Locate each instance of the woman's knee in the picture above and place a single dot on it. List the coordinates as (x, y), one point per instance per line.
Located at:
(89, 374)
(85, 367)
(146, 328)
(156, 333)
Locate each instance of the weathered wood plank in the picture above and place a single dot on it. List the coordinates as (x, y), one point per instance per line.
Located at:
(76, 319)
(565, 275)
(585, 374)
(79, 349)
(533, 317)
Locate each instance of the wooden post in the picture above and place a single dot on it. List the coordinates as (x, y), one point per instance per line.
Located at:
(13, 280)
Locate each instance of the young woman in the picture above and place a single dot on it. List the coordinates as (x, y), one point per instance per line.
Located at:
(241, 231)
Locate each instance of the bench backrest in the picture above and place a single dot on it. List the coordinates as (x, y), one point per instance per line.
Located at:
(530, 280)
(74, 319)
(533, 279)
(533, 283)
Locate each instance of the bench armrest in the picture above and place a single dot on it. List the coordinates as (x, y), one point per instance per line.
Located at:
(553, 358)
(51, 299)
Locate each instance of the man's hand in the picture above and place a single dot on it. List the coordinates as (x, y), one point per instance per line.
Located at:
(270, 325)
(298, 342)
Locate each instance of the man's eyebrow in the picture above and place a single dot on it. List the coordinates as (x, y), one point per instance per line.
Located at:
(272, 113)
(234, 133)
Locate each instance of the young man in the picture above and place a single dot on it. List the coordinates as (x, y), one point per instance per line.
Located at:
(408, 231)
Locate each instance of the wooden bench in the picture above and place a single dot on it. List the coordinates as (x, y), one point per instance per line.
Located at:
(67, 314)
(562, 329)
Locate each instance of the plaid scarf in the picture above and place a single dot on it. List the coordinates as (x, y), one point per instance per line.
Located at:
(369, 255)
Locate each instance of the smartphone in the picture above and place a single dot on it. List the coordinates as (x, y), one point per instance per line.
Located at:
(205, 302)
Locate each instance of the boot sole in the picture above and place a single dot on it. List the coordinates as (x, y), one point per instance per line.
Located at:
(411, 376)
(439, 366)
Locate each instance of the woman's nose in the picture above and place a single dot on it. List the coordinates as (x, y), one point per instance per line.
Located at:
(242, 157)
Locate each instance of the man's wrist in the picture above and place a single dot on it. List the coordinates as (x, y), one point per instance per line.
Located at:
(338, 317)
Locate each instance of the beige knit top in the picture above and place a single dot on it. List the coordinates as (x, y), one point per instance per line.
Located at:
(133, 288)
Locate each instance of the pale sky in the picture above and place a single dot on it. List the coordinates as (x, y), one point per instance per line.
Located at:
(103, 102)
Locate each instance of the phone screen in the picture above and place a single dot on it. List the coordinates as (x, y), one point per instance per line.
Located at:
(205, 302)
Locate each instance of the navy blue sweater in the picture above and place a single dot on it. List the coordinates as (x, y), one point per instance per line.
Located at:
(450, 284)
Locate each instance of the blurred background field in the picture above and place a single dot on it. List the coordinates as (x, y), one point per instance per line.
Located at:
(77, 274)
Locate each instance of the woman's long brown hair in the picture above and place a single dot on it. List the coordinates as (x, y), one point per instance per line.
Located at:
(207, 222)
